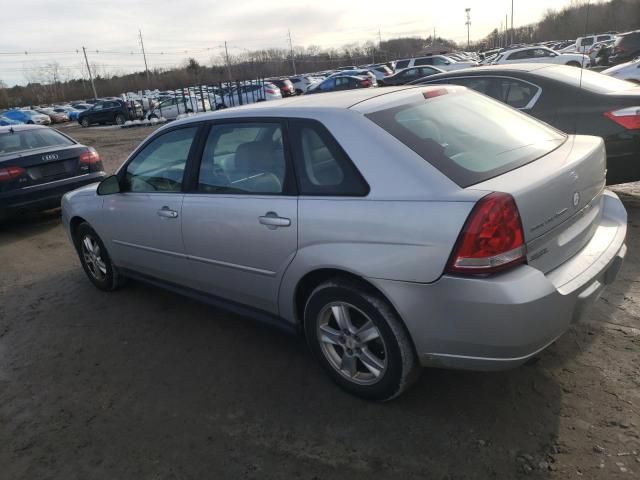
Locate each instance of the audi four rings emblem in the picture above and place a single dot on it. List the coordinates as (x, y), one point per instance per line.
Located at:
(51, 156)
(576, 199)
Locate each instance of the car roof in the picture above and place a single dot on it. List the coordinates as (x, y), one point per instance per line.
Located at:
(335, 101)
(514, 67)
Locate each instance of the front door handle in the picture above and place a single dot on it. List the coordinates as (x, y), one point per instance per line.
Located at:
(273, 221)
(167, 212)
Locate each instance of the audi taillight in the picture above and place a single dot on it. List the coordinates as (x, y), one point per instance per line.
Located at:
(628, 118)
(90, 157)
(268, 90)
(10, 173)
(492, 238)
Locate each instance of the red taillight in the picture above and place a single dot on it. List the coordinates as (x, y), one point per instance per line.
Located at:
(268, 90)
(365, 83)
(629, 117)
(90, 157)
(492, 238)
(9, 173)
(434, 93)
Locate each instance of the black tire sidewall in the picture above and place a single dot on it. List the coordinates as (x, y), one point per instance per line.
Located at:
(120, 116)
(390, 383)
(84, 122)
(109, 281)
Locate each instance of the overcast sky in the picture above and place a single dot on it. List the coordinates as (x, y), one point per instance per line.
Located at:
(175, 30)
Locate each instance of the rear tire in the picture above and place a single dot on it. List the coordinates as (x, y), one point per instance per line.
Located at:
(370, 354)
(95, 259)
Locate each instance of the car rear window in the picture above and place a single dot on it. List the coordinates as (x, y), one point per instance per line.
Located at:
(22, 140)
(583, 78)
(468, 137)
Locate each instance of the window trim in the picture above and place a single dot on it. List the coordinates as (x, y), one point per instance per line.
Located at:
(528, 106)
(295, 127)
(121, 172)
(289, 188)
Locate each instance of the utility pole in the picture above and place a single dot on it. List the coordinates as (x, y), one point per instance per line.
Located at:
(226, 53)
(293, 61)
(506, 29)
(512, 32)
(433, 39)
(144, 55)
(468, 24)
(379, 38)
(95, 94)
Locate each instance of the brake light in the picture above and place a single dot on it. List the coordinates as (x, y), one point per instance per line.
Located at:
(9, 173)
(628, 118)
(90, 157)
(268, 90)
(492, 238)
(365, 83)
(434, 93)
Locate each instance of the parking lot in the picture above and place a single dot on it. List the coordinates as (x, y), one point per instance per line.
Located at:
(144, 384)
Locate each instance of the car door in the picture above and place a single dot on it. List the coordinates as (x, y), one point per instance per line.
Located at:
(342, 83)
(240, 222)
(143, 222)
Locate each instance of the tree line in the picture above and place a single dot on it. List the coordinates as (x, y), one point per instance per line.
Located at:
(49, 86)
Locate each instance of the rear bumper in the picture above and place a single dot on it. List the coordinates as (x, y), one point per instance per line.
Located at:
(499, 322)
(44, 196)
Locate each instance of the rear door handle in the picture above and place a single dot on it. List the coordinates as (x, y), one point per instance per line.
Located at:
(273, 221)
(167, 212)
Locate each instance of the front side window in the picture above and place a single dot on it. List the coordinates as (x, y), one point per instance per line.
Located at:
(159, 166)
(402, 64)
(244, 158)
(322, 167)
(328, 84)
(440, 61)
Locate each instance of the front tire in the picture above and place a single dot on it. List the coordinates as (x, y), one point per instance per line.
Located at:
(119, 119)
(360, 340)
(573, 64)
(95, 259)
(84, 122)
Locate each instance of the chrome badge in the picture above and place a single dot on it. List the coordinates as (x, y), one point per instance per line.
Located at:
(49, 157)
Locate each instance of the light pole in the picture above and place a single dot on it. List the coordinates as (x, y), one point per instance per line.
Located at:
(468, 24)
(512, 39)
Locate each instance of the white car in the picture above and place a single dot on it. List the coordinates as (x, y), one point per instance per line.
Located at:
(541, 55)
(441, 61)
(172, 107)
(247, 93)
(625, 71)
(584, 43)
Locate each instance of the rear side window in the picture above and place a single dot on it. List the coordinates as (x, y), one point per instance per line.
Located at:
(468, 137)
(423, 61)
(19, 141)
(322, 166)
(516, 93)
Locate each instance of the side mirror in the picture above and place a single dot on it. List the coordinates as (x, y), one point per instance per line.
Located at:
(109, 186)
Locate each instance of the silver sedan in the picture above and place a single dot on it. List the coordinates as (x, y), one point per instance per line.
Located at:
(415, 226)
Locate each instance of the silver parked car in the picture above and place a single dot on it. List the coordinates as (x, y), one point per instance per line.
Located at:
(412, 226)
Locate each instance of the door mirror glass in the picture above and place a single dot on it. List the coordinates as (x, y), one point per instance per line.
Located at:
(109, 186)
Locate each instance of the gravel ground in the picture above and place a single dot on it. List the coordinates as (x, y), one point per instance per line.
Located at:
(144, 384)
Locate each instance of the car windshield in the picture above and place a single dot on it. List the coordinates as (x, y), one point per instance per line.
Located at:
(591, 81)
(467, 136)
(22, 140)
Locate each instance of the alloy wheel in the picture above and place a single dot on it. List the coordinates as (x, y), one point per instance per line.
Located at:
(352, 343)
(93, 258)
